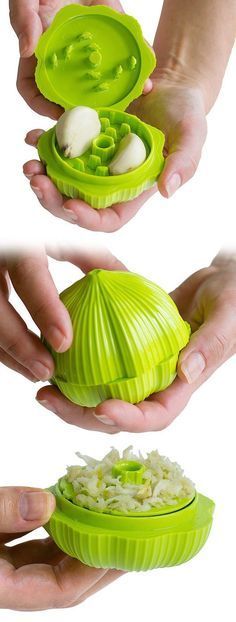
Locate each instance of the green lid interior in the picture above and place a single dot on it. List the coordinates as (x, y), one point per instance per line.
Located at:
(93, 56)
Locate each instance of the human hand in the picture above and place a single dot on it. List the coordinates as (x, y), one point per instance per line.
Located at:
(177, 108)
(29, 19)
(36, 575)
(207, 300)
(20, 348)
(77, 211)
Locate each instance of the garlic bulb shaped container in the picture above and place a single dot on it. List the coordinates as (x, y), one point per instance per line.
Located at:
(127, 337)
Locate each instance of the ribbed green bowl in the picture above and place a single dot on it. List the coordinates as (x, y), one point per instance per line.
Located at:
(127, 337)
(131, 542)
(79, 178)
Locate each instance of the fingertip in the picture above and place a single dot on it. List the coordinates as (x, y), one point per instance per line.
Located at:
(169, 183)
(121, 414)
(50, 504)
(148, 86)
(109, 407)
(26, 169)
(36, 506)
(180, 373)
(32, 168)
(105, 420)
(40, 394)
(82, 214)
(191, 367)
(56, 112)
(60, 338)
(32, 137)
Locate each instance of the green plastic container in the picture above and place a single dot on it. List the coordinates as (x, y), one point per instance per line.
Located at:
(127, 337)
(166, 537)
(96, 57)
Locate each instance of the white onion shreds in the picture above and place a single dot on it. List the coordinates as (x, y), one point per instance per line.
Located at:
(94, 486)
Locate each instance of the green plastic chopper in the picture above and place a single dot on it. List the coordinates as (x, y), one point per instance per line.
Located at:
(127, 336)
(165, 536)
(97, 57)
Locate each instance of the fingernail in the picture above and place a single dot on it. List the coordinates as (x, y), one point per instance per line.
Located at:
(38, 192)
(47, 405)
(173, 184)
(36, 505)
(70, 214)
(39, 370)
(148, 86)
(23, 44)
(57, 339)
(193, 366)
(104, 419)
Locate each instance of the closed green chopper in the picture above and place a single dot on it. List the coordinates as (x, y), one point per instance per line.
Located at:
(127, 336)
(97, 57)
(106, 537)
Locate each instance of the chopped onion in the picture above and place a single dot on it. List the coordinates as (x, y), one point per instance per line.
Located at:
(94, 486)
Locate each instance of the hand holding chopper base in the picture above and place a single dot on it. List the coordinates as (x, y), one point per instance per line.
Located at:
(97, 58)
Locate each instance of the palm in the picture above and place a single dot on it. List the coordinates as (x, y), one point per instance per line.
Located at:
(177, 110)
(36, 575)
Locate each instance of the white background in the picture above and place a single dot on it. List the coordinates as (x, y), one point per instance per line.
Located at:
(166, 242)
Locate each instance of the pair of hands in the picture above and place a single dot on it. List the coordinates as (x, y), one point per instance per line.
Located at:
(172, 103)
(207, 300)
(36, 575)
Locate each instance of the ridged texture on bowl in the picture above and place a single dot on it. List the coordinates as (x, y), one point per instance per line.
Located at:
(127, 337)
(107, 542)
(101, 192)
(111, 551)
(100, 202)
(130, 390)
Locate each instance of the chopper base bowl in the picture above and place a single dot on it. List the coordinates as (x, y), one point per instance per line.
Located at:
(88, 178)
(132, 390)
(131, 543)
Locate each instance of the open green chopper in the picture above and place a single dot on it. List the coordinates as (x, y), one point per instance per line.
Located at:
(97, 57)
(127, 336)
(88, 526)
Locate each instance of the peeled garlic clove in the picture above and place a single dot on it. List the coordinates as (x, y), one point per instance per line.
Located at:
(76, 129)
(131, 154)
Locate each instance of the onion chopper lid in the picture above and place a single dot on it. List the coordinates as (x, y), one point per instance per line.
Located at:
(93, 56)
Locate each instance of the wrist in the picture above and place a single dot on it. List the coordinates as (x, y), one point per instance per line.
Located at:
(172, 73)
(194, 42)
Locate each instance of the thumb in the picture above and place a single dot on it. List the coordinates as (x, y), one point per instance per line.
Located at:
(27, 24)
(24, 509)
(209, 346)
(185, 146)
